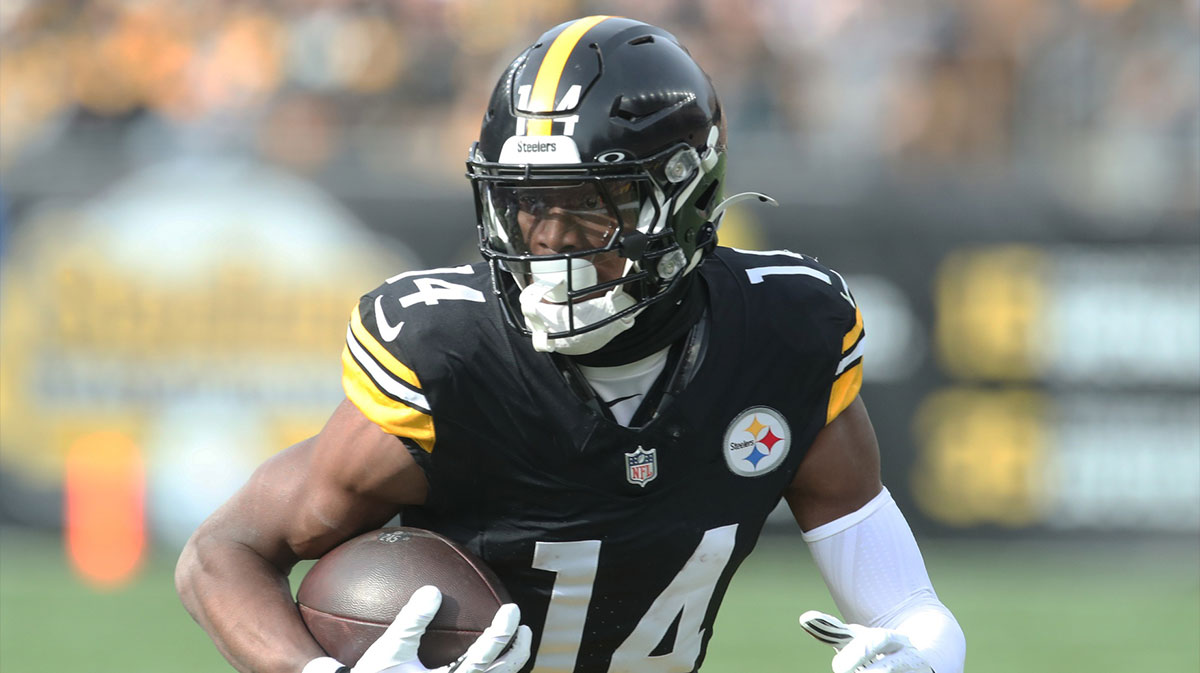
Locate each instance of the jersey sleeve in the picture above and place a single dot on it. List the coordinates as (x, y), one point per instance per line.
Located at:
(848, 375)
(377, 380)
(825, 327)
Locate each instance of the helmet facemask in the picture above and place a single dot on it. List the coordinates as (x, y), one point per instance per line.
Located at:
(577, 251)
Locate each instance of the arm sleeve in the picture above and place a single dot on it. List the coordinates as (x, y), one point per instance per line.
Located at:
(873, 568)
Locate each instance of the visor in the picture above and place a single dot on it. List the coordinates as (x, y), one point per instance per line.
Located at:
(582, 217)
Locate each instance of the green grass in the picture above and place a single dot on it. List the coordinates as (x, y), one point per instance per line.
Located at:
(1025, 607)
(1053, 607)
(50, 621)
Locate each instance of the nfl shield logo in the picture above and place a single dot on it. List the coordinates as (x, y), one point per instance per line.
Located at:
(641, 466)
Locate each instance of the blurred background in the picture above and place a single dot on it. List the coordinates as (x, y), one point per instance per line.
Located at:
(193, 196)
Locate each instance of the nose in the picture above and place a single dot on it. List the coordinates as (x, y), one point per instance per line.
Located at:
(555, 231)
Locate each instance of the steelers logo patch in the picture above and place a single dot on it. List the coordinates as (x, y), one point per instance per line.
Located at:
(756, 442)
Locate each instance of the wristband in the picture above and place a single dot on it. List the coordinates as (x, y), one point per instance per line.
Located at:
(325, 665)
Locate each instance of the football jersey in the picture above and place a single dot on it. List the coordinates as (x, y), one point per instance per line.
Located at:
(617, 542)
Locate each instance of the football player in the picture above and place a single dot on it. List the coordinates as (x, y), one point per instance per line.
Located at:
(605, 410)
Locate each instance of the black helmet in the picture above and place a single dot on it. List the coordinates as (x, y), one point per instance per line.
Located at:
(605, 116)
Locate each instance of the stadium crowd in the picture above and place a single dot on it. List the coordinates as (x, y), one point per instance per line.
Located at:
(1103, 92)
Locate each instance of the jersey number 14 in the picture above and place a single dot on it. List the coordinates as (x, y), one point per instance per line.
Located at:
(687, 598)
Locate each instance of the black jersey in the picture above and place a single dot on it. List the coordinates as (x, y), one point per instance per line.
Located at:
(617, 543)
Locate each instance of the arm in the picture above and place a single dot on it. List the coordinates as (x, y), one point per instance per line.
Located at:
(840, 473)
(868, 556)
(232, 574)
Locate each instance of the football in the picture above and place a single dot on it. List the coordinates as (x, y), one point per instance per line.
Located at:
(351, 594)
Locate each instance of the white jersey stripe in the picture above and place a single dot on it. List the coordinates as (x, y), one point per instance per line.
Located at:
(383, 379)
(854, 354)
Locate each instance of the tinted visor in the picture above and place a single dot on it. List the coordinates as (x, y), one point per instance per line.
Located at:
(559, 218)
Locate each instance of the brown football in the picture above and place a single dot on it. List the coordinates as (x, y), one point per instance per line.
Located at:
(350, 596)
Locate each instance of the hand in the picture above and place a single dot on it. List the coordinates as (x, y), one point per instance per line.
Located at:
(396, 650)
(862, 649)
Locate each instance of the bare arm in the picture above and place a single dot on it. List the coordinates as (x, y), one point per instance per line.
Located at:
(232, 574)
(840, 474)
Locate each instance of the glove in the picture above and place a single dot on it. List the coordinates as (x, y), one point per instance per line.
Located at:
(396, 650)
(862, 649)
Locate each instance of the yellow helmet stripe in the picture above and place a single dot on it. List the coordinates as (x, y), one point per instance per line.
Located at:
(545, 86)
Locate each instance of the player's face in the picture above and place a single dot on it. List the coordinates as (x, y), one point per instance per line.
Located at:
(561, 219)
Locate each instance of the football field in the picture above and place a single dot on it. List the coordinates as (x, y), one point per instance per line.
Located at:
(1025, 606)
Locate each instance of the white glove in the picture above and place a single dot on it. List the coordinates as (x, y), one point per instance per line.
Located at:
(396, 650)
(862, 649)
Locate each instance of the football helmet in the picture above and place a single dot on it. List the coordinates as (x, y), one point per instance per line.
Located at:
(598, 179)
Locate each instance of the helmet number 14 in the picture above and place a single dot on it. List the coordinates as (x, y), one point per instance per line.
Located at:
(569, 100)
(687, 596)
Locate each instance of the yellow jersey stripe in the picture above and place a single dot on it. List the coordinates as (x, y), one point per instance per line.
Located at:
(380, 353)
(395, 388)
(393, 417)
(545, 85)
(855, 332)
(845, 389)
